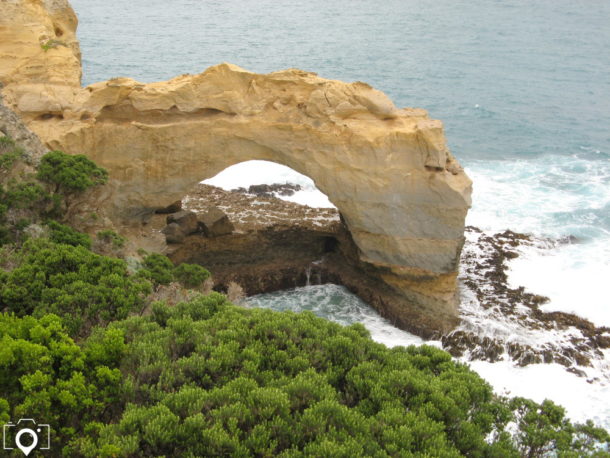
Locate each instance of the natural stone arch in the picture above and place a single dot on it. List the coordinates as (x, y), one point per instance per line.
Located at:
(403, 196)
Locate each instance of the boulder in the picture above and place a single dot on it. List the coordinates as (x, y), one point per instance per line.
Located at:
(215, 223)
(173, 233)
(186, 220)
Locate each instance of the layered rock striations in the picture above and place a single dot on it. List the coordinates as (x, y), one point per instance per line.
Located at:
(402, 195)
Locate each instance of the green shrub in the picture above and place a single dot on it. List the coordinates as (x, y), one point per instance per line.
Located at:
(157, 268)
(191, 275)
(61, 233)
(160, 270)
(26, 195)
(111, 237)
(45, 375)
(543, 430)
(83, 288)
(207, 378)
(9, 153)
(70, 173)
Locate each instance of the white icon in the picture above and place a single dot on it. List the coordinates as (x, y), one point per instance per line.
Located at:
(37, 433)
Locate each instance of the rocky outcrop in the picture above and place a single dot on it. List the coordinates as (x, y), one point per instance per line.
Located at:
(12, 126)
(401, 193)
(271, 245)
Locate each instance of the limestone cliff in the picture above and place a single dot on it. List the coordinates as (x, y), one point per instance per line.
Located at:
(401, 193)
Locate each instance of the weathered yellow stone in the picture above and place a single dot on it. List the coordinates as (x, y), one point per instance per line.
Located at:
(402, 194)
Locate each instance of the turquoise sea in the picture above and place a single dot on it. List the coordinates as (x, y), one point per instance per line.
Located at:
(523, 89)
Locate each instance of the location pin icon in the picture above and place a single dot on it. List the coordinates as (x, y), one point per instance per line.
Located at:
(26, 449)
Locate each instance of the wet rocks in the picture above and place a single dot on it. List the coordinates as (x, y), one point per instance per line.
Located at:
(271, 190)
(499, 322)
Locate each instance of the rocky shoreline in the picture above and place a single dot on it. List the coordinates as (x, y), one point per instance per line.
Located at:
(275, 244)
(499, 322)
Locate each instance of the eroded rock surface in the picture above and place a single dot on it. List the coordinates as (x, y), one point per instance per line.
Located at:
(401, 193)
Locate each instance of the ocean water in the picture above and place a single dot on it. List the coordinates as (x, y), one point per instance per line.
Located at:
(522, 88)
(336, 303)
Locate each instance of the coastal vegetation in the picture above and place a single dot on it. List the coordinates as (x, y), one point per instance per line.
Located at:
(83, 348)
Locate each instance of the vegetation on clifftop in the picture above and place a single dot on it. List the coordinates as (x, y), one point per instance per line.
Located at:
(82, 349)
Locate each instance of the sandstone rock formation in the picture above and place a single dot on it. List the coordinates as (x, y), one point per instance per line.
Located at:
(401, 193)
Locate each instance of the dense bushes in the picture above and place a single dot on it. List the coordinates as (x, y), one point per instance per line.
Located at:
(206, 378)
(60, 233)
(211, 379)
(191, 275)
(82, 287)
(45, 375)
(160, 271)
(157, 268)
(33, 197)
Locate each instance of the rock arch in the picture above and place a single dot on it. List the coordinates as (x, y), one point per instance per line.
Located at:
(402, 194)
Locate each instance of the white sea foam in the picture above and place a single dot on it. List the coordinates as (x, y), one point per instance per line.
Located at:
(337, 304)
(549, 198)
(581, 400)
(574, 276)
